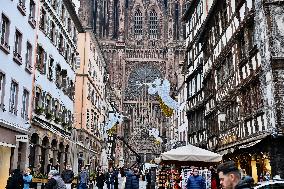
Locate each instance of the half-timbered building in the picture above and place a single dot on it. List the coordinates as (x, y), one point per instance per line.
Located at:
(236, 107)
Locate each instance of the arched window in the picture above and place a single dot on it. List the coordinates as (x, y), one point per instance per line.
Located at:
(138, 24)
(153, 25)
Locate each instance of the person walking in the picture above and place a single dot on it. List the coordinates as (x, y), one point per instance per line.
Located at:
(131, 180)
(100, 180)
(83, 178)
(27, 178)
(54, 180)
(116, 173)
(148, 179)
(15, 181)
(110, 178)
(68, 176)
(214, 178)
(195, 181)
(230, 177)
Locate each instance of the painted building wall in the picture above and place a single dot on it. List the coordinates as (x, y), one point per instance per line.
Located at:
(90, 102)
(16, 67)
(54, 84)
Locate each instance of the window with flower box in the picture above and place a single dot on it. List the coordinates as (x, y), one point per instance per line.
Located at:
(5, 31)
(13, 97)
(42, 21)
(18, 47)
(41, 59)
(2, 90)
(25, 104)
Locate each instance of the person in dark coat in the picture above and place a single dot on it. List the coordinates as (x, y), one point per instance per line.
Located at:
(195, 181)
(54, 180)
(131, 180)
(148, 179)
(230, 177)
(83, 178)
(100, 180)
(15, 181)
(214, 178)
(68, 176)
(116, 171)
(110, 179)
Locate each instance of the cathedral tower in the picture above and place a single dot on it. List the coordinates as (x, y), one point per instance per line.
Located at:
(142, 40)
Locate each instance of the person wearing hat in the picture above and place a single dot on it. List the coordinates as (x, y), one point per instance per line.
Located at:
(54, 180)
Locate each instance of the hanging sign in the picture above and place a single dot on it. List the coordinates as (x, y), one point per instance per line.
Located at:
(22, 138)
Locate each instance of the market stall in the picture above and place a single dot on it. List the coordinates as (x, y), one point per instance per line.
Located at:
(181, 161)
(190, 153)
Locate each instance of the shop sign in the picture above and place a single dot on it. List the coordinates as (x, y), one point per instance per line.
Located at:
(22, 138)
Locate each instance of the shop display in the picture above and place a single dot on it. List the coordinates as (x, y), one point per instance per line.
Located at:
(162, 179)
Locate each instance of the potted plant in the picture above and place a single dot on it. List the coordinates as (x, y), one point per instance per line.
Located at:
(64, 124)
(38, 178)
(69, 128)
(45, 179)
(93, 176)
(38, 110)
(48, 115)
(57, 120)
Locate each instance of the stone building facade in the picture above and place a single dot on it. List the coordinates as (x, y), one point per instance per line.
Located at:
(141, 40)
(51, 143)
(234, 57)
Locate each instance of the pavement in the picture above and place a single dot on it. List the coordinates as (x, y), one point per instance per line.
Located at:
(142, 184)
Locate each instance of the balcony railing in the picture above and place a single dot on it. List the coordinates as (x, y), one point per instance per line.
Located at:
(21, 7)
(29, 66)
(32, 21)
(17, 57)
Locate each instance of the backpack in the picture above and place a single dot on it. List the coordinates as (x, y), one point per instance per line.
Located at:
(59, 183)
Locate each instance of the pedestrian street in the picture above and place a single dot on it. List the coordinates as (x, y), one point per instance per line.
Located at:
(142, 184)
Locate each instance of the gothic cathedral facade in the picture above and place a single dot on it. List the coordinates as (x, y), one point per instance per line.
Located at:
(142, 40)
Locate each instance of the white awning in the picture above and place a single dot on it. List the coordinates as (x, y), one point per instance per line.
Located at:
(191, 153)
(7, 145)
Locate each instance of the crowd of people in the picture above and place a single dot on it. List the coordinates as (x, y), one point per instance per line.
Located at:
(227, 176)
(18, 180)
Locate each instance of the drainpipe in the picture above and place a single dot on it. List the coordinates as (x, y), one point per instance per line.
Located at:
(84, 59)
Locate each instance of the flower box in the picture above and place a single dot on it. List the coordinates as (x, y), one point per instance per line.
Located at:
(37, 180)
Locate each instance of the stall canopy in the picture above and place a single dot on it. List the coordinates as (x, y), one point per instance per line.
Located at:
(191, 153)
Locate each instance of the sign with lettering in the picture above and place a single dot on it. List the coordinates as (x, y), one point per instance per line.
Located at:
(22, 138)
